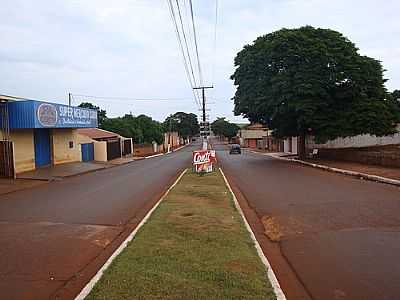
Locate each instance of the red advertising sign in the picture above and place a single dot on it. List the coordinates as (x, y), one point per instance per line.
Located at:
(203, 160)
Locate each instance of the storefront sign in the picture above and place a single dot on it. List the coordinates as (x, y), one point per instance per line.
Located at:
(63, 116)
(203, 160)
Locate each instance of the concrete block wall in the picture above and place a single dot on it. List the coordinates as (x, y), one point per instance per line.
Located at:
(358, 141)
(388, 156)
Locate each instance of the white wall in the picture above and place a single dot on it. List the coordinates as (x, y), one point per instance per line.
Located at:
(100, 151)
(294, 144)
(364, 140)
(286, 145)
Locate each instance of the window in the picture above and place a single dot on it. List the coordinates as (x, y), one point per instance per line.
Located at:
(71, 144)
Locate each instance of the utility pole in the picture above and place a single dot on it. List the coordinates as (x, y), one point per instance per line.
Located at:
(203, 108)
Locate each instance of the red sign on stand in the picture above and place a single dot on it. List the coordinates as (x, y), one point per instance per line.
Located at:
(203, 160)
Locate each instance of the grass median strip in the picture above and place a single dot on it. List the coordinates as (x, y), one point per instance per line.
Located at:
(194, 246)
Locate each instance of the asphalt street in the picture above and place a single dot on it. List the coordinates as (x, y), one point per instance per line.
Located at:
(54, 237)
(339, 235)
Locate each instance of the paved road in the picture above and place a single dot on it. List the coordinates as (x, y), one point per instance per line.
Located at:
(54, 237)
(339, 235)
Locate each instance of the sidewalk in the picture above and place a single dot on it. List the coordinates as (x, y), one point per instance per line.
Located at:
(392, 173)
(124, 160)
(62, 171)
(194, 246)
(369, 172)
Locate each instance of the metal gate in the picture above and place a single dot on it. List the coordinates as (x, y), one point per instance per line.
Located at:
(6, 146)
(113, 149)
(127, 147)
(87, 152)
(6, 159)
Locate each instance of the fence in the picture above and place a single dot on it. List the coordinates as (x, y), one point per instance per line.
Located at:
(147, 149)
(379, 155)
(6, 159)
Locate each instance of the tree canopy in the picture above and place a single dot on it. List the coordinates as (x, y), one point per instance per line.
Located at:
(222, 127)
(308, 80)
(185, 124)
(142, 128)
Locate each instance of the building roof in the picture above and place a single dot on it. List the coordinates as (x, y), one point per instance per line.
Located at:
(256, 126)
(242, 125)
(97, 133)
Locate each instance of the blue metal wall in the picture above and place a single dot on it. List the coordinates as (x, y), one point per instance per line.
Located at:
(21, 114)
(37, 114)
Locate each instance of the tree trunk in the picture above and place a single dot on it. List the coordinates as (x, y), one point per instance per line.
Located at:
(302, 146)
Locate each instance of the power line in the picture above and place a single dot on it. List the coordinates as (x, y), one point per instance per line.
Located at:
(195, 42)
(215, 42)
(185, 63)
(186, 43)
(127, 98)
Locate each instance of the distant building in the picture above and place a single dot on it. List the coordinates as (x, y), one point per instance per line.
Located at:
(252, 135)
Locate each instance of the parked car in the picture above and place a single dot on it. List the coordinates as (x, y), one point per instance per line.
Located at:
(235, 149)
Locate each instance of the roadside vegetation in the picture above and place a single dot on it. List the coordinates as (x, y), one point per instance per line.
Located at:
(194, 246)
(224, 128)
(313, 81)
(143, 129)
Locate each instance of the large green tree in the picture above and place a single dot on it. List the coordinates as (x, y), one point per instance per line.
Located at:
(394, 101)
(183, 123)
(311, 81)
(142, 129)
(222, 127)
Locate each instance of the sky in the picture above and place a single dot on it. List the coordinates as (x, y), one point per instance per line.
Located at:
(128, 49)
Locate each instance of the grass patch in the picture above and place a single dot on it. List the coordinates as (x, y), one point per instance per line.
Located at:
(194, 246)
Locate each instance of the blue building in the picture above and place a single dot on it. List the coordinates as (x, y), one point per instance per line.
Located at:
(35, 134)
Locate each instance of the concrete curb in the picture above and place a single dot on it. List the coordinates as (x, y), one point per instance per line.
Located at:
(155, 155)
(90, 285)
(271, 275)
(365, 176)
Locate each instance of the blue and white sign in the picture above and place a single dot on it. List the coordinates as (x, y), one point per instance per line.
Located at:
(63, 116)
(36, 114)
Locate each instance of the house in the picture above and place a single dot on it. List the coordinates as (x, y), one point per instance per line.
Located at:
(252, 135)
(34, 134)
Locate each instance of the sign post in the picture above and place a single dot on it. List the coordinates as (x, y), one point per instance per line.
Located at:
(203, 161)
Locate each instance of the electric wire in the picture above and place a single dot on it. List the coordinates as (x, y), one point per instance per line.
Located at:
(196, 43)
(215, 43)
(185, 40)
(185, 63)
(129, 98)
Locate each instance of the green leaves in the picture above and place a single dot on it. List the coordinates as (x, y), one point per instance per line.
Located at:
(142, 129)
(222, 127)
(311, 80)
(185, 124)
